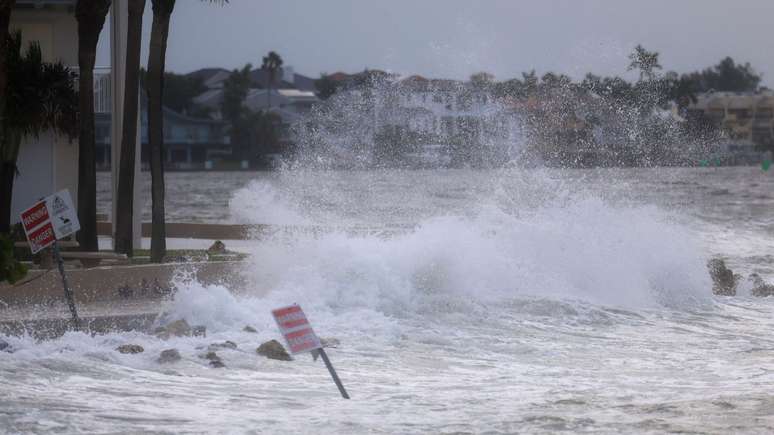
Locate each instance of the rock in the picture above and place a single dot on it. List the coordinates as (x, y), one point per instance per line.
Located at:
(760, 287)
(210, 356)
(130, 348)
(724, 281)
(249, 328)
(169, 356)
(217, 248)
(5, 346)
(199, 331)
(215, 361)
(330, 342)
(225, 345)
(274, 350)
(179, 328)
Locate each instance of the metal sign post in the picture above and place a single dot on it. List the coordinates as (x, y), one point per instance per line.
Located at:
(50, 219)
(68, 293)
(300, 337)
(332, 371)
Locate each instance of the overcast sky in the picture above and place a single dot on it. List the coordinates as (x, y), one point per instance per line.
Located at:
(454, 38)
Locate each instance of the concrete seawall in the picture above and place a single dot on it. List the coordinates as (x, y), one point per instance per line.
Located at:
(108, 298)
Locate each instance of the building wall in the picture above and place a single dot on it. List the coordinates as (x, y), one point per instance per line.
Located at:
(46, 164)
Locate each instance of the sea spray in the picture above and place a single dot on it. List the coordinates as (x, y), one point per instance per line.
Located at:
(588, 250)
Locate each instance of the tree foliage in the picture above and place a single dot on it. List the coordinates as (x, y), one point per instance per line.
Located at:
(644, 61)
(39, 96)
(10, 269)
(326, 86)
(727, 75)
(180, 91)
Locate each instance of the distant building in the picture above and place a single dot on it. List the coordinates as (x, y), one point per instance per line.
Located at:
(747, 118)
(286, 78)
(189, 143)
(291, 96)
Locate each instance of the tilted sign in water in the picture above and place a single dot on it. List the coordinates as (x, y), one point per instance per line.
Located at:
(49, 220)
(296, 329)
(300, 337)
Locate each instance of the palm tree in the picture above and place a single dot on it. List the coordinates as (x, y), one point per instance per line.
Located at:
(646, 62)
(91, 17)
(6, 173)
(271, 64)
(162, 11)
(123, 242)
(39, 96)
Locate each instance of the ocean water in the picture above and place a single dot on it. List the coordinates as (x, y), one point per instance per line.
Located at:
(508, 301)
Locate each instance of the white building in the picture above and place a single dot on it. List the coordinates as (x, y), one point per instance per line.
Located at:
(49, 163)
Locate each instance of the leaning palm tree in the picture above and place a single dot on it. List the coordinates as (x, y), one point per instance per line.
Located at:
(90, 15)
(123, 240)
(39, 96)
(271, 64)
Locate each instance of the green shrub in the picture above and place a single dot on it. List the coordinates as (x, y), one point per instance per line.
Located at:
(10, 269)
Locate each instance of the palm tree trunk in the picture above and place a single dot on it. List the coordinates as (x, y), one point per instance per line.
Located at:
(7, 169)
(10, 152)
(7, 175)
(125, 209)
(162, 11)
(91, 17)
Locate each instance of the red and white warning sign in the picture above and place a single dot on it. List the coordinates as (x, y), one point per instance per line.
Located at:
(50, 219)
(295, 327)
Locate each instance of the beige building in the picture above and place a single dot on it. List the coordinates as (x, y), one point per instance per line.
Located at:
(745, 117)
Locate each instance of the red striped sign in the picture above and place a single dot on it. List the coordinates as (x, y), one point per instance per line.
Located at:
(41, 238)
(34, 216)
(296, 329)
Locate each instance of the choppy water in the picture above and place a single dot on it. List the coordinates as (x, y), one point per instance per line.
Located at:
(497, 302)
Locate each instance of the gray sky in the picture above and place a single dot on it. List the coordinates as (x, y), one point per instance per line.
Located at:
(454, 38)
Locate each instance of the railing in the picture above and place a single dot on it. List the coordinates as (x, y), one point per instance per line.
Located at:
(102, 88)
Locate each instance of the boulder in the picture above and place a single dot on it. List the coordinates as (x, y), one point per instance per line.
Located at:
(4, 346)
(169, 356)
(215, 361)
(179, 328)
(217, 247)
(199, 331)
(724, 281)
(225, 345)
(760, 287)
(130, 348)
(274, 350)
(249, 328)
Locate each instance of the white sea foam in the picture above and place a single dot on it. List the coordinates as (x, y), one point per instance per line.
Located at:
(633, 257)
